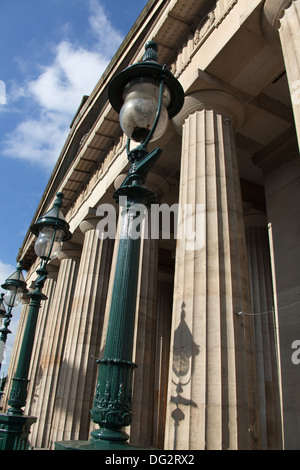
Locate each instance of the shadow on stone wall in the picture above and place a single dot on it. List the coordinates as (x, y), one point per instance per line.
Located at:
(184, 351)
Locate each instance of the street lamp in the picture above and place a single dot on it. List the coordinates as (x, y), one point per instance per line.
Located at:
(2, 344)
(2, 386)
(146, 95)
(51, 230)
(15, 286)
(2, 316)
(2, 309)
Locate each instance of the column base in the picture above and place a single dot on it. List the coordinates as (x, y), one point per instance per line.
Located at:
(14, 431)
(102, 439)
(96, 445)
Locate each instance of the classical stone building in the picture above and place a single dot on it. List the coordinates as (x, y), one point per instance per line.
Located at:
(217, 319)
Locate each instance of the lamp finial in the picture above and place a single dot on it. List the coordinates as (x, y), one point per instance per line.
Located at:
(151, 49)
(58, 201)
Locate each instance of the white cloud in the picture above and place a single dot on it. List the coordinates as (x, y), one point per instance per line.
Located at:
(73, 74)
(13, 327)
(57, 92)
(5, 271)
(2, 92)
(38, 141)
(107, 36)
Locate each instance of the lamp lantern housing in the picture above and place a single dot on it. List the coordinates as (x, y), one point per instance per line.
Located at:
(51, 230)
(14, 285)
(135, 95)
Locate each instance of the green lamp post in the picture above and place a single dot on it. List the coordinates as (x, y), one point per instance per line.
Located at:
(146, 95)
(2, 386)
(51, 230)
(15, 286)
(2, 316)
(2, 309)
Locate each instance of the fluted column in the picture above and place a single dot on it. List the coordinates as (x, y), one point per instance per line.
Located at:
(141, 431)
(162, 348)
(283, 17)
(262, 315)
(211, 402)
(77, 379)
(54, 339)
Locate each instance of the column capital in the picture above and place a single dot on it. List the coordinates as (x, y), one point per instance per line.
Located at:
(89, 224)
(157, 183)
(222, 102)
(69, 250)
(119, 180)
(254, 218)
(272, 13)
(52, 271)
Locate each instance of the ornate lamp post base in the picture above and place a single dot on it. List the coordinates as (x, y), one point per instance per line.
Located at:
(14, 431)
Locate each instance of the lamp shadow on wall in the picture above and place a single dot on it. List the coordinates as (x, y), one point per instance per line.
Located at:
(184, 352)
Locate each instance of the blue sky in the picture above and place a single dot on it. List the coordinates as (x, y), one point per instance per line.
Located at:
(52, 53)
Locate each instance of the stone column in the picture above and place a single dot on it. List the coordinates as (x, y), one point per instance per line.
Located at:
(262, 314)
(54, 339)
(76, 385)
(141, 430)
(152, 315)
(211, 402)
(282, 17)
(162, 344)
